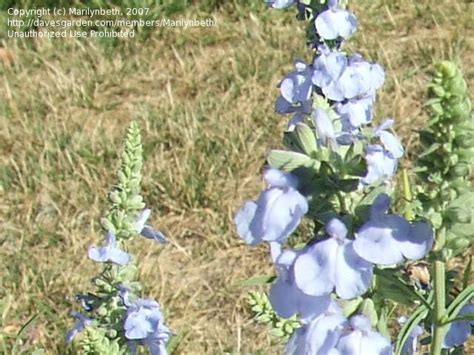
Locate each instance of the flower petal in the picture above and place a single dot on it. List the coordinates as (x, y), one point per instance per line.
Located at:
(334, 23)
(392, 144)
(375, 241)
(353, 274)
(318, 337)
(324, 125)
(150, 233)
(458, 332)
(314, 269)
(418, 242)
(242, 220)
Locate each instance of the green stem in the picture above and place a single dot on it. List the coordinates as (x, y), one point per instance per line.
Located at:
(440, 307)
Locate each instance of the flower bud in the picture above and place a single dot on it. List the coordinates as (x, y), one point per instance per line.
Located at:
(114, 197)
(456, 86)
(437, 108)
(446, 68)
(453, 159)
(448, 194)
(437, 90)
(459, 214)
(461, 110)
(461, 169)
(458, 244)
(102, 311)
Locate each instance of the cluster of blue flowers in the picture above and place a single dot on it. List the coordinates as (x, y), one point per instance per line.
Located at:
(349, 84)
(335, 94)
(116, 321)
(143, 322)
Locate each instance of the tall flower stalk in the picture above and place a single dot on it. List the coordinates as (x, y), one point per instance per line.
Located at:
(116, 321)
(338, 171)
(446, 194)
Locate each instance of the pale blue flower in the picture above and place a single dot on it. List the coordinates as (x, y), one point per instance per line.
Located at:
(391, 143)
(381, 165)
(287, 299)
(110, 252)
(360, 78)
(334, 23)
(459, 331)
(146, 230)
(362, 340)
(356, 112)
(320, 335)
(144, 324)
(328, 67)
(333, 264)
(277, 212)
(296, 89)
(81, 323)
(280, 4)
(388, 238)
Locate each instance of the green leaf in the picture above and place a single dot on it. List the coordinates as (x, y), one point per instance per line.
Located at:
(434, 147)
(393, 287)
(350, 306)
(367, 308)
(288, 161)
(468, 271)
(456, 305)
(306, 139)
(257, 281)
(418, 315)
(466, 317)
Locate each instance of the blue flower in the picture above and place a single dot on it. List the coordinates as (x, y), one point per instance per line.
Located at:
(296, 89)
(341, 78)
(280, 4)
(320, 335)
(144, 324)
(324, 127)
(360, 78)
(146, 230)
(362, 340)
(328, 68)
(387, 239)
(459, 331)
(333, 263)
(356, 112)
(389, 140)
(277, 212)
(287, 299)
(334, 23)
(109, 253)
(381, 165)
(81, 323)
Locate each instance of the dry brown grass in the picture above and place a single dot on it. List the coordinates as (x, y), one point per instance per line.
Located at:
(204, 99)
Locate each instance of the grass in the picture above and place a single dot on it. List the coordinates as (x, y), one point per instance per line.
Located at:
(204, 99)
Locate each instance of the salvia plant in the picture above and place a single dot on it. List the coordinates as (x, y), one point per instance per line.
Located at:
(113, 319)
(365, 266)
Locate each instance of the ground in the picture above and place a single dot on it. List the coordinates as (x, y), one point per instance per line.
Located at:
(204, 99)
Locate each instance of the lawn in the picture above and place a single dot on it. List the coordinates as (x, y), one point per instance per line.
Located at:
(204, 98)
